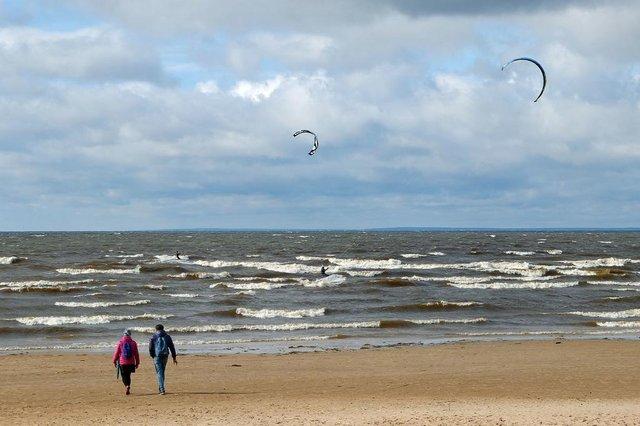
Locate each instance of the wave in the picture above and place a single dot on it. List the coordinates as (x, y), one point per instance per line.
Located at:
(101, 345)
(285, 268)
(605, 242)
(155, 287)
(125, 256)
(201, 275)
(170, 258)
(269, 279)
(625, 324)
(413, 255)
(90, 320)
(435, 321)
(219, 328)
(616, 314)
(329, 281)
(9, 260)
(520, 253)
(365, 263)
(554, 252)
(280, 313)
(602, 262)
(86, 271)
(440, 305)
(252, 286)
(101, 304)
(183, 295)
(244, 293)
(367, 274)
(41, 283)
(522, 285)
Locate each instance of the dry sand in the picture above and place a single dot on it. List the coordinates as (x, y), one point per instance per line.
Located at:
(586, 382)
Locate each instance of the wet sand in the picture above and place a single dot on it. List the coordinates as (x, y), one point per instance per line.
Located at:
(597, 382)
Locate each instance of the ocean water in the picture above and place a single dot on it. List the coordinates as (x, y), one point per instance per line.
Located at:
(262, 291)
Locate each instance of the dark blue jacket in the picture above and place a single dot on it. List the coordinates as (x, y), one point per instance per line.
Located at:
(152, 344)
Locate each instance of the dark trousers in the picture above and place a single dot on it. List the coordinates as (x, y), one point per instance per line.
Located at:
(125, 372)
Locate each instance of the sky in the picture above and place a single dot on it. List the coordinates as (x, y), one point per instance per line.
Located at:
(140, 114)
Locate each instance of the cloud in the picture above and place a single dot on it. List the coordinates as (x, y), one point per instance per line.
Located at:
(417, 123)
(95, 54)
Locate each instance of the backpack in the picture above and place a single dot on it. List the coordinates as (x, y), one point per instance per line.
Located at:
(162, 349)
(127, 351)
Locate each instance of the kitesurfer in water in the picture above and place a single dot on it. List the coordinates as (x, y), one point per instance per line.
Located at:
(323, 271)
(178, 255)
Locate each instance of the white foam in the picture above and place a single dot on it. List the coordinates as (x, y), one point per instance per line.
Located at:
(280, 313)
(616, 314)
(252, 286)
(8, 260)
(101, 304)
(625, 324)
(365, 263)
(520, 253)
(603, 262)
(413, 255)
(605, 242)
(183, 295)
(125, 256)
(522, 285)
(436, 253)
(85, 271)
(310, 258)
(170, 258)
(252, 255)
(155, 287)
(245, 293)
(240, 341)
(554, 252)
(93, 319)
(286, 268)
(219, 328)
(330, 281)
(363, 273)
(448, 321)
(40, 284)
(201, 275)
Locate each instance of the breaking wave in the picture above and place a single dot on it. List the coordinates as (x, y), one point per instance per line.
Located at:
(101, 304)
(9, 260)
(280, 313)
(86, 271)
(92, 319)
(615, 314)
(521, 285)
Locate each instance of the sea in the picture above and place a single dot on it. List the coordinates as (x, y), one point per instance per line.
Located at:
(262, 292)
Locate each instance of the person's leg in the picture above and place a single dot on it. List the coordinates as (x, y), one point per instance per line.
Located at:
(126, 375)
(160, 363)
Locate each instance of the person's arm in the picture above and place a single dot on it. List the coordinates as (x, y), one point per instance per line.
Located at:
(116, 354)
(172, 349)
(136, 354)
(152, 348)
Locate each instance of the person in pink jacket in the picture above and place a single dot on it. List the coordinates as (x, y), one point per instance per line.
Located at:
(126, 358)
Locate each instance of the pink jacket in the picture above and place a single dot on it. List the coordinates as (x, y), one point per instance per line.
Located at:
(118, 354)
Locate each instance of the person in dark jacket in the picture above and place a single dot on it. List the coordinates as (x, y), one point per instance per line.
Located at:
(160, 346)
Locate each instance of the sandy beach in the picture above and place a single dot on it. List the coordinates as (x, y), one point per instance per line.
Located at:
(498, 382)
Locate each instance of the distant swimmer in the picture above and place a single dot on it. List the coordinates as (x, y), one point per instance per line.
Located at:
(178, 255)
(323, 271)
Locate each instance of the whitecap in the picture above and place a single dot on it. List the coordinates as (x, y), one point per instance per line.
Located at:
(86, 271)
(92, 319)
(101, 304)
(615, 314)
(280, 313)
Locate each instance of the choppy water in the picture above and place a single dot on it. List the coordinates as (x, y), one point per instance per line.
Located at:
(250, 291)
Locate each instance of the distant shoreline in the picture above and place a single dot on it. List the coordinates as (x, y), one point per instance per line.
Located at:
(339, 230)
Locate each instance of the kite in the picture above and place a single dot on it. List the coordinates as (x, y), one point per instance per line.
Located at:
(544, 75)
(315, 139)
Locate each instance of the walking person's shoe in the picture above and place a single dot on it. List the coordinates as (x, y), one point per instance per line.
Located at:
(128, 391)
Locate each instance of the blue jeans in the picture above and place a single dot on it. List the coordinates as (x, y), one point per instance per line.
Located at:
(160, 363)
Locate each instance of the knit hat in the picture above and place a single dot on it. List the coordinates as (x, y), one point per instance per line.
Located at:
(127, 332)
